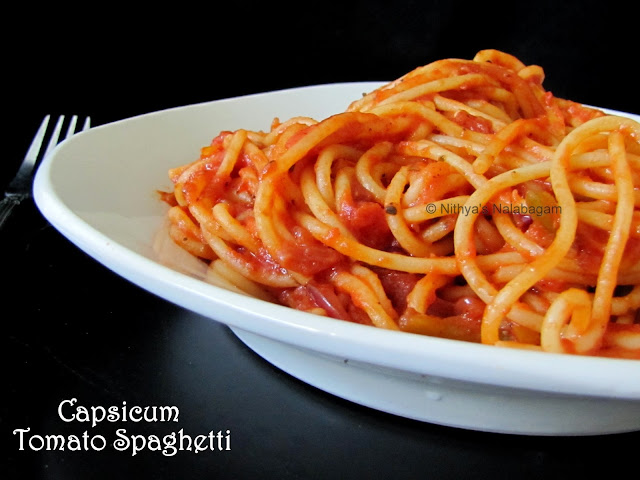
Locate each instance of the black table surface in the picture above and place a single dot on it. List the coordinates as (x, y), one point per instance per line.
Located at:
(75, 330)
(72, 329)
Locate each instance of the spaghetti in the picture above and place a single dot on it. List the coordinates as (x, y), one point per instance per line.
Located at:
(462, 200)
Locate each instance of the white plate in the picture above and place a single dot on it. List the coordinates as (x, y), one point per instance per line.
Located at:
(98, 189)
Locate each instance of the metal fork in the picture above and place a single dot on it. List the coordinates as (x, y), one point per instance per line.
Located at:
(19, 188)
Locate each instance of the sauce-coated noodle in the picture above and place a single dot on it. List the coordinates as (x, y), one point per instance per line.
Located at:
(462, 200)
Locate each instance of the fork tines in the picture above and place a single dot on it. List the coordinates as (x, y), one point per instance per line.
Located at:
(19, 188)
(71, 130)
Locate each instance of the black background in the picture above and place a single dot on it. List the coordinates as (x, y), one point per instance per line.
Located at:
(72, 329)
(112, 62)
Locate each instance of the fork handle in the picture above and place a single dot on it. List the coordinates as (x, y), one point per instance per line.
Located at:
(8, 204)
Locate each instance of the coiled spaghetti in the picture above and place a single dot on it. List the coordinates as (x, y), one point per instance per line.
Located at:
(462, 200)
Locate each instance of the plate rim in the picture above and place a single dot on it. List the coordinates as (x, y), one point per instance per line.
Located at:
(502, 366)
